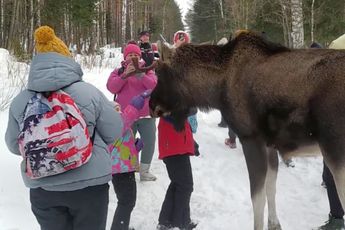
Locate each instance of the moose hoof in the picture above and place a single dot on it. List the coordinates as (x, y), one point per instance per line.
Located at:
(274, 226)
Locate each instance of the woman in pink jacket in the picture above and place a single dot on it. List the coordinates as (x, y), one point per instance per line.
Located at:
(126, 84)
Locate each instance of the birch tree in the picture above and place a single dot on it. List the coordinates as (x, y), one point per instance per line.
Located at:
(2, 22)
(39, 12)
(131, 7)
(286, 18)
(124, 16)
(297, 29)
(312, 24)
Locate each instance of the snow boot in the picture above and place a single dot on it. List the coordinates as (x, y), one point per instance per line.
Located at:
(333, 224)
(144, 173)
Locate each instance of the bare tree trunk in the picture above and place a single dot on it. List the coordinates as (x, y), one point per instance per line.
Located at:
(312, 23)
(124, 16)
(39, 13)
(145, 17)
(12, 38)
(77, 36)
(164, 13)
(98, 23)
(131, 18)
(286, 22)
(297, 24)
(92, 40)
(101, 24)
(221, 8)
(215, 27)
(116, 23)
(2, 27)
(246, 15)
(31, 30)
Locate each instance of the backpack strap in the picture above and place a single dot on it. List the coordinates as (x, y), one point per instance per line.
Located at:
(93, 136)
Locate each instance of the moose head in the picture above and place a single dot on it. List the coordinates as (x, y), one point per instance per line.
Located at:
(170, 97)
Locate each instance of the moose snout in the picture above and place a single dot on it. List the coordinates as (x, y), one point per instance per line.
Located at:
(158, 111)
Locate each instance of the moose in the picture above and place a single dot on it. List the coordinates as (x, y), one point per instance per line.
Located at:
(276, 99)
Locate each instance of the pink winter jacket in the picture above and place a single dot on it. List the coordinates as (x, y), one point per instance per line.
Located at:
(134, 85)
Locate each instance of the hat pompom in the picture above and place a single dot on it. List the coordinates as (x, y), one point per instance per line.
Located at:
(46, 41)
(44, 34)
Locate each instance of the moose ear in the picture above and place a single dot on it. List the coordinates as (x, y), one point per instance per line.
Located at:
(165, 51)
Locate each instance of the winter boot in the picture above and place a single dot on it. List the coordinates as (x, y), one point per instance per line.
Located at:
(231, 142)
(333, 224)
(145, 175)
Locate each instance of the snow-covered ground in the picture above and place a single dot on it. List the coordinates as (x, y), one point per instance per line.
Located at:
(220, 200)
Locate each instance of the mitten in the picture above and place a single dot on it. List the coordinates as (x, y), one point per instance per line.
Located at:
(138, 102)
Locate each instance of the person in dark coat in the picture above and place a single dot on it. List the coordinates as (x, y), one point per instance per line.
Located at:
(147, 53)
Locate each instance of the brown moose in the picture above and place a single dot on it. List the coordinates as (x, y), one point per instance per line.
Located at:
(273, 97)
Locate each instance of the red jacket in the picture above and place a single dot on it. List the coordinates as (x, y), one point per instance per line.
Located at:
(171, 142)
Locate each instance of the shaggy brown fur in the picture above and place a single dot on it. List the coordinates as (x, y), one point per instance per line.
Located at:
(270, 95)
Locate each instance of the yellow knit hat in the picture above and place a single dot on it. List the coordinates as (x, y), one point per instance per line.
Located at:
(46, 41)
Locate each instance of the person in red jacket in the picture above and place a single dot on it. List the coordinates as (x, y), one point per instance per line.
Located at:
(175, 148)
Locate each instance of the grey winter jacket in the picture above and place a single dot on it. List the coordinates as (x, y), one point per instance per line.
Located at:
(52, 71)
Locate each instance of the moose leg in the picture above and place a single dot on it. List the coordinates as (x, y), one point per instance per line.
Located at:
(335, 163)
(271, 179)
(339, 179)
(256, 158)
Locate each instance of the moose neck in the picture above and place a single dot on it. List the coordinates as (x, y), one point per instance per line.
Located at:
(203, 86)
(208, 72)
(204, 81)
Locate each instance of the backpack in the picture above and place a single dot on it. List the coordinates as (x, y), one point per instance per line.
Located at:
(54, 137)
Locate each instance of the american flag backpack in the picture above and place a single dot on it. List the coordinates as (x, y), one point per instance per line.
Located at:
(54, 137)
